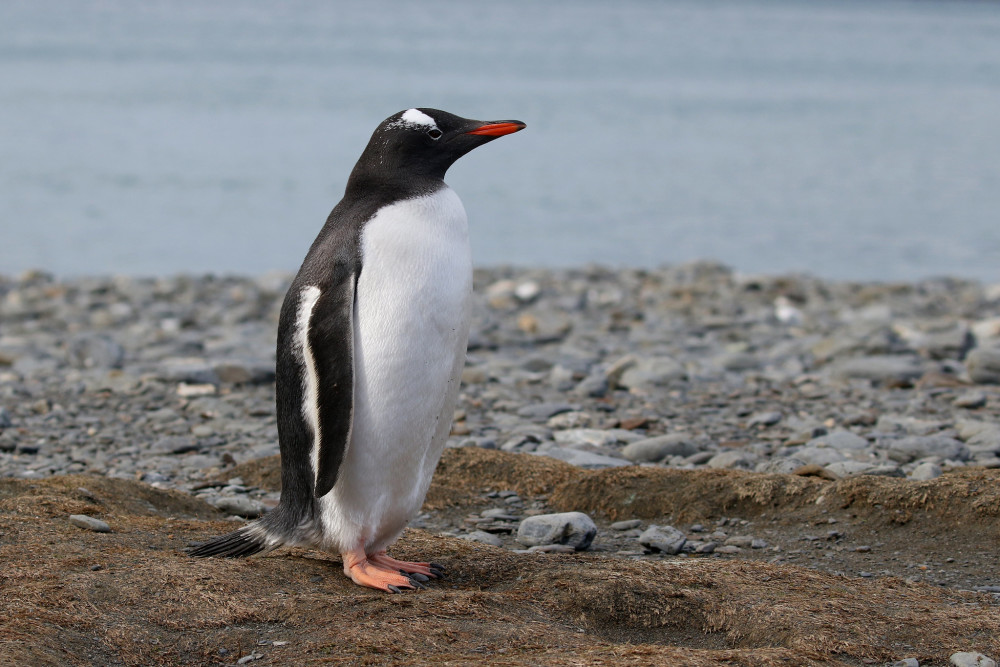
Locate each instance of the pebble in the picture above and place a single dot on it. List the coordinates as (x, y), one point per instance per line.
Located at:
(907, 662)
(663, 539)
(971, 659)
(925, 471)
(575, 529)
(247, 508)
(628, 524)
(483, 537)
(914, 447)
(659, 448)
(983, 365)
(89, 523)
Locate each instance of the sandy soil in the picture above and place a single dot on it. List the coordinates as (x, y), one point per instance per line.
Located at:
(131, 596)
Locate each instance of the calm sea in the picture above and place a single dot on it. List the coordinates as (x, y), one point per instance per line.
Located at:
(845, 139)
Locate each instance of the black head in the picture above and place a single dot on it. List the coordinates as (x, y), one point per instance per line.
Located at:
(423, 143)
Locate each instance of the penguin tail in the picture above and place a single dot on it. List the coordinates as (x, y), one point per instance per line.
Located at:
(246, 541)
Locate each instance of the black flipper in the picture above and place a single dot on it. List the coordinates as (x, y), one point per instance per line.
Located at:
(331, 339)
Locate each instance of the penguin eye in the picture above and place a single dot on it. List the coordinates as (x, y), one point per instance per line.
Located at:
(434, 133)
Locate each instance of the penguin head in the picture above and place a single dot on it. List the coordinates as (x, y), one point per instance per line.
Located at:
(426, 142)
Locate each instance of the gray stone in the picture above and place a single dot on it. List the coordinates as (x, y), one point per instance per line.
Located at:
(664, 539)
(650, 373)
(590, 437)
(920, 446)
(879, 368)
(238, 371)
(734, 459)
(971, 659)
(89, 523)
(95, 351)
(821, 456)
(498, 513)
(971, 400)
(983, 365)
(173, 444)
(839, 440)
(594, 385)
(628, 524)
(575, 529)
(543, 411)
(764, 419)
(584, 459)
(660, 447)
(783, 465)
(737, 361)
(741, 541)
(187, 369)
(850, 468)
(907, 662)
(5, 420)
(925, 471)
(483, 537)
(243, 506)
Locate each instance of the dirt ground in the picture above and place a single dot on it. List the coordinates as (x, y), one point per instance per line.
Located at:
(131, 596)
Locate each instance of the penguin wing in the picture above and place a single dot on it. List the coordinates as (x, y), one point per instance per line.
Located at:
(331, 343)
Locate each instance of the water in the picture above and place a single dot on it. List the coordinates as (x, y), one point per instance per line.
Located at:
(852, 140)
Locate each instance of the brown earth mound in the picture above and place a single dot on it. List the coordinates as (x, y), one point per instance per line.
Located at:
(132, 597)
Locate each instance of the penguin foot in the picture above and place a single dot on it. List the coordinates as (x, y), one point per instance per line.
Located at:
(429, 570)
(364, 572)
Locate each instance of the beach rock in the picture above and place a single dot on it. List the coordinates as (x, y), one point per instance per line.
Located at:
(734, 460)
(983, 365)
(879, 368)
(543, 411)
(652, 372)
(589, 437)
(663, 539)
(925, 471)
(971, 659)
(5, 420)
(660, 447)
(89, 523)
(575, 529)
(972, 400)
(584, 459)
(483, 537)
(914, 447)
(243, 506)
(841, 440)
(764, 419)
(821, 456)
(95, 351)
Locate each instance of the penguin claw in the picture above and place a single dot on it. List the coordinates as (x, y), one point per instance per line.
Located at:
(416, 576)
(435, 566)
(393, 589)
(438, 574)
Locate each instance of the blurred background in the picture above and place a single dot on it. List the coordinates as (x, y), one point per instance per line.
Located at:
(851, 140)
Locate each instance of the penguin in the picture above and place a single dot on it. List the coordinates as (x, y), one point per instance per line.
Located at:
(371, 345)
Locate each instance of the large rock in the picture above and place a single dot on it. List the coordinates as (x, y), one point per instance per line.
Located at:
(920, 446)
(983, 365)
(660, 447)
(664, 539)
(575, 529)
(971, 659)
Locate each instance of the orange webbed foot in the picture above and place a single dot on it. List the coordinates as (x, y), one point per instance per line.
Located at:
(364, 572)
(419, 571)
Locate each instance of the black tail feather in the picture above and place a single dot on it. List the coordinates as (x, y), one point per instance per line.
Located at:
(237, 544)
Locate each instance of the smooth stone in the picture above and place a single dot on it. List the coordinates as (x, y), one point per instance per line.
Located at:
(174, 444)
(584, 436)
(571, 420)
(663, 539)
(551, 549)
(575, 529)
(660, 447)
(741, 541)
(651, 373)
(543, 411)
(584, 459)
(849, 468)
(244, 372)
(482, 537)
(498, 513)
(594, 385)
(972, 400)
(983, 365)
(907, 662)
(925, 471)
(737, 361)
(765, 419)
(5, 420)
(628, 524)
(839, 440)
(913, 447)
(239, 506)
(733, 460)
(785, 465)
(879, 368)
(971, 659)
(95, 351)
(90, 523)
(821, 456)
(185, 369)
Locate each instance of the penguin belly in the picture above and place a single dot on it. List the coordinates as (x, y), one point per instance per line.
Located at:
(411, 326)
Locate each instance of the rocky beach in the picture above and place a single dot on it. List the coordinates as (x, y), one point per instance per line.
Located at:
(627, 436)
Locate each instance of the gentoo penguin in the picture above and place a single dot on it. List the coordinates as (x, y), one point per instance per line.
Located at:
(371, 345)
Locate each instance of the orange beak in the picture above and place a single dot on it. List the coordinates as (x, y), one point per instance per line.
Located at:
(498, 129)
